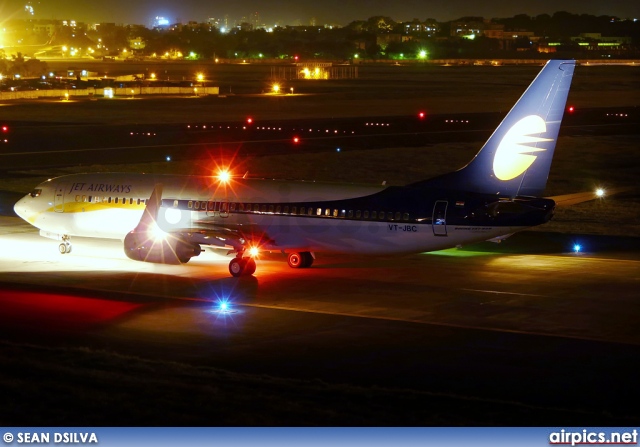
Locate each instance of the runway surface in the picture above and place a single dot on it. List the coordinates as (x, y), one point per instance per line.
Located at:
(526, 322)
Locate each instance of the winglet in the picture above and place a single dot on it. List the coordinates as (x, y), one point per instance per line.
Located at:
(150, 214)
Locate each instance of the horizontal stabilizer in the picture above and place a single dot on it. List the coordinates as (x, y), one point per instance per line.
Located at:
(579, 197)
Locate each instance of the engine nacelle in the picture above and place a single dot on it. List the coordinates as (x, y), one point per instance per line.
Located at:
(170, 249)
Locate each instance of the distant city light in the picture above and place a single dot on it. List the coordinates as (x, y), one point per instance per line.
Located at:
(161, 21)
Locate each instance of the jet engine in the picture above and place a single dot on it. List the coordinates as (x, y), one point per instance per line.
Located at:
(170, 249)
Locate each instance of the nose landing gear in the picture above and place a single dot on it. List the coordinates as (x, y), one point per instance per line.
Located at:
(65, 246)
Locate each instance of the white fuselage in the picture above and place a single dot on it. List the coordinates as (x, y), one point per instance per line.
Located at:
(111, 205)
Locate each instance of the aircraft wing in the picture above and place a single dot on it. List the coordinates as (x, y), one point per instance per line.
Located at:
(579, 197)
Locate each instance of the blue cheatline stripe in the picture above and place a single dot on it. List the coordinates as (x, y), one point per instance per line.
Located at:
(321, 437)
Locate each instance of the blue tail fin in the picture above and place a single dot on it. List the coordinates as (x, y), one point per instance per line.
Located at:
(516, 159)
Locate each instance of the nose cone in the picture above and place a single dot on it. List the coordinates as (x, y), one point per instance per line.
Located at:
(22, 208)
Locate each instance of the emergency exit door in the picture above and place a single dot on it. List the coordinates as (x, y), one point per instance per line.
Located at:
(439, 222)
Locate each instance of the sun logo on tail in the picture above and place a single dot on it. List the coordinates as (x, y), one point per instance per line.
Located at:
(513, 155)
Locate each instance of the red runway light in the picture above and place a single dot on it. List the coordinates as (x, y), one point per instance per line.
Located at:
(249, 120)
(421, 115)
(571, 109)
(296, 140)
(5, 128)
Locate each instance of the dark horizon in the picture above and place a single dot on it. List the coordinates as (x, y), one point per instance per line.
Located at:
(289, 12)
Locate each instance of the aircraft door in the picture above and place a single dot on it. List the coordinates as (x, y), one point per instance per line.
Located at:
(439, 222)
(58, 201)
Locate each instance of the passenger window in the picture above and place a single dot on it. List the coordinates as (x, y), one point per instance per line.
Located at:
(240, 206)
(342, 213)
(109, 200)
(335, 213)
(116, 200)
(286, 210)
(263, 208)
(84, 198)
(210, 206)
(397, 216)
(405, 216)
(232, 207)
(350, 213)
(256, 207)
(175, 203)
(374, 214)
(271, 208)
(196, 205)
(190, 204)
(319, 212)
(327, 212)
(90, 197)
(382, 215)
(278, 209)
(77, 198)
(293, 210)
(303, 211)
(203, 206)
(130, 201)
(224, 207)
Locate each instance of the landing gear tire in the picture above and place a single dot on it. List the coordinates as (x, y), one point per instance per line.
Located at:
(250, 267)
(242, 267)
(300, 260)
(65, 248)
(308, 259)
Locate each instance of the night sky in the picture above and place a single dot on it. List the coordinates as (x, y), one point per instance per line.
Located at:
(301, 12)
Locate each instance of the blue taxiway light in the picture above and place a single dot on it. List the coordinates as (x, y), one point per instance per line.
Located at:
(577, 248)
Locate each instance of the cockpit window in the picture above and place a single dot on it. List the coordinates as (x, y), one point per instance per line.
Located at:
(36, 193)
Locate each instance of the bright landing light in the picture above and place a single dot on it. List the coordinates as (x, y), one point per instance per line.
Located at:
(599, 192)
(224, 176)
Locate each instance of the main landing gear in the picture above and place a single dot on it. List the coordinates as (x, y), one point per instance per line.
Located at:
(65, 246)
(240, 266)
(300, 260)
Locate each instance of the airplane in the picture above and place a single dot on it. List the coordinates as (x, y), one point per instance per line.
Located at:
(168, 218)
